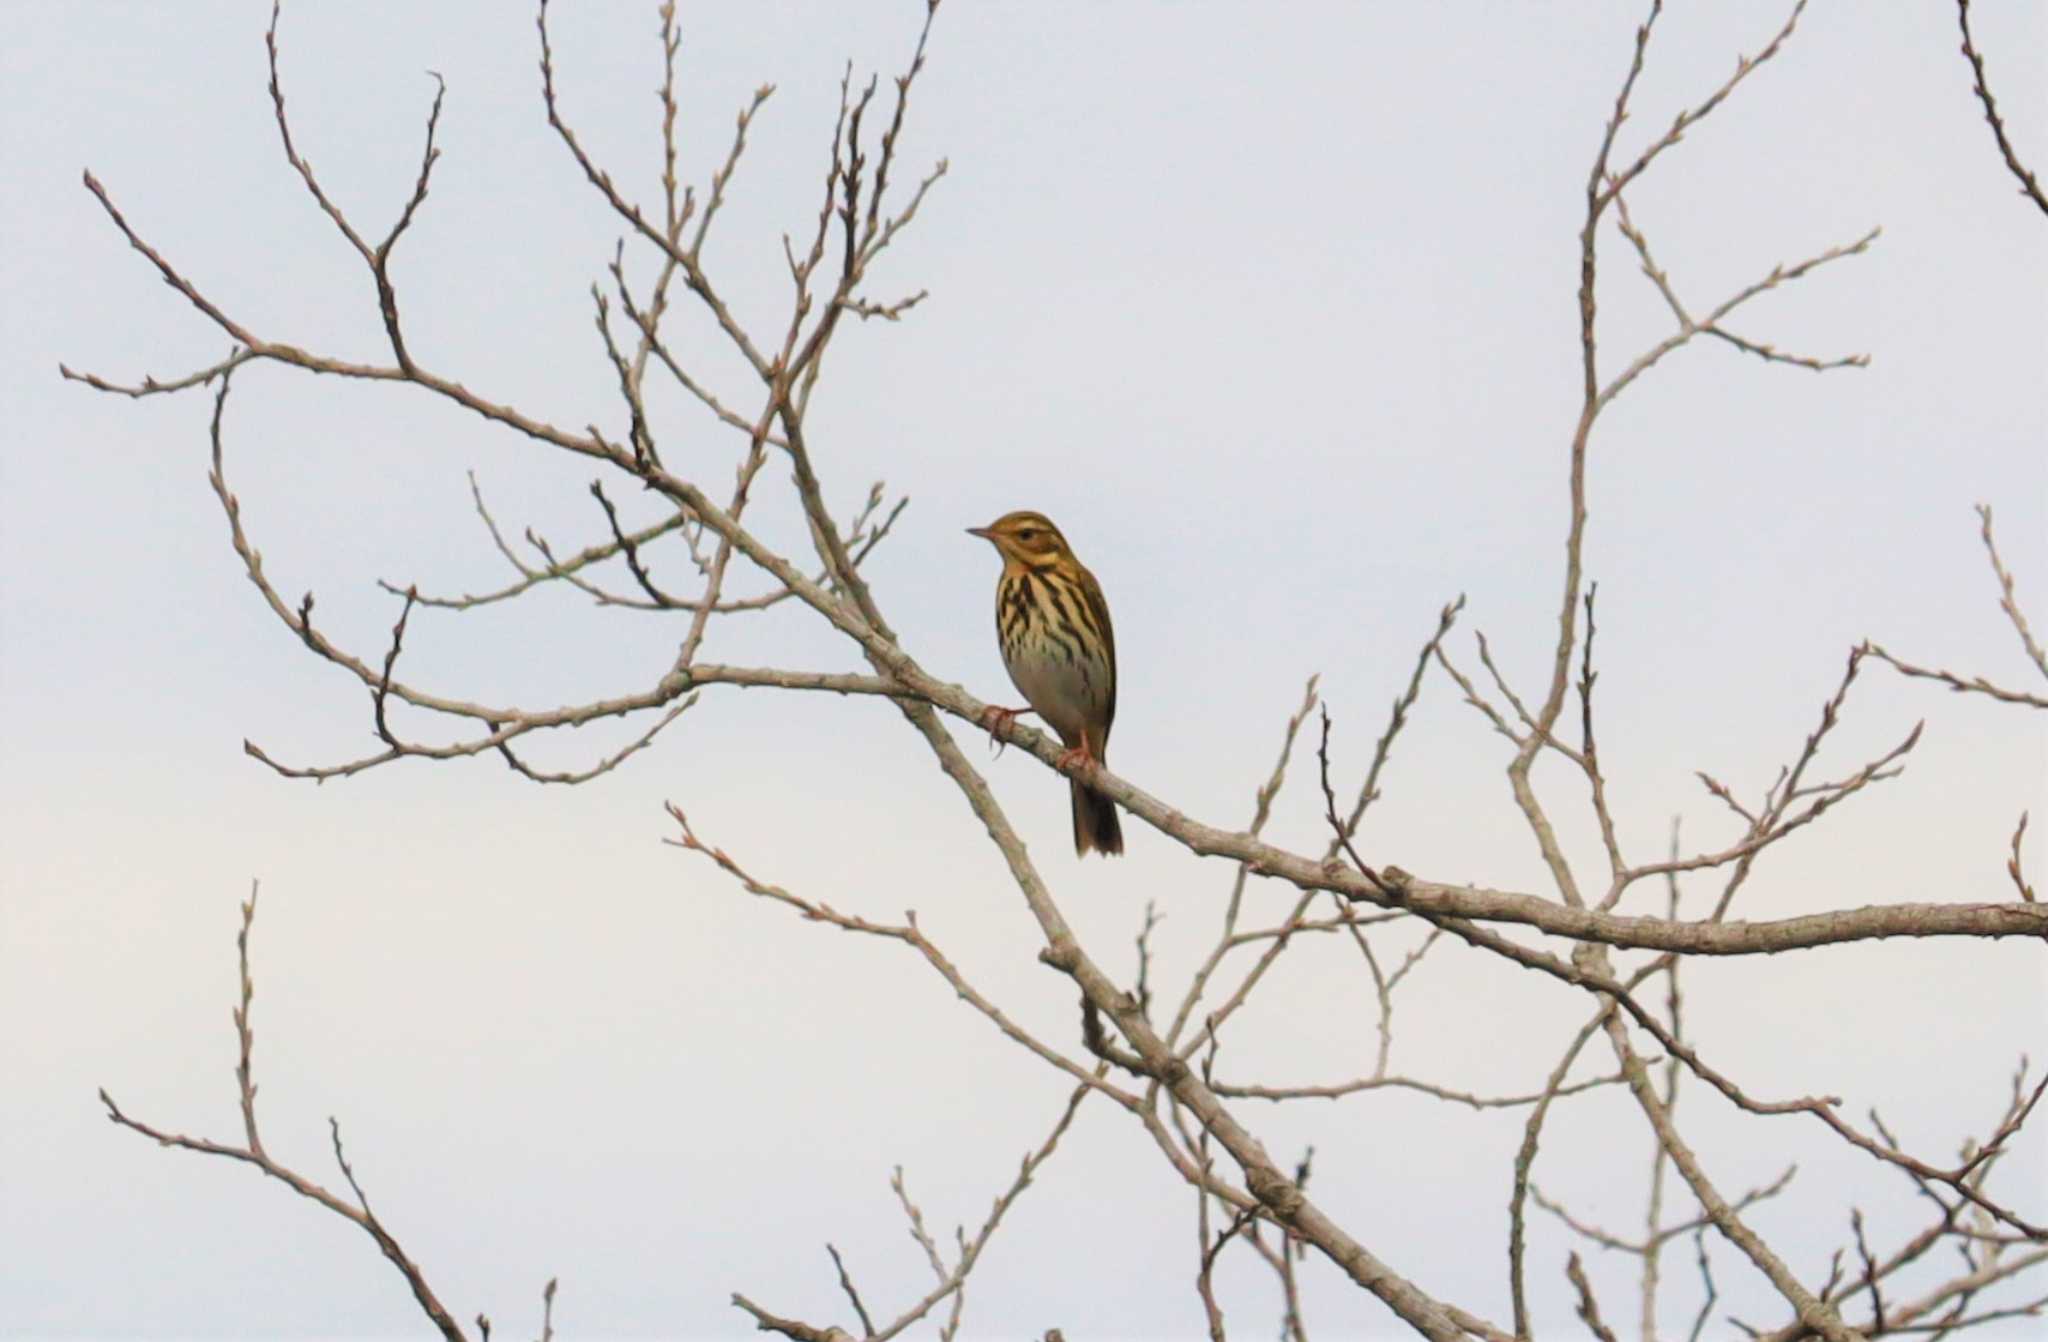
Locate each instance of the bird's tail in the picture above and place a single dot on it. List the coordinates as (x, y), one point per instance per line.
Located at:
(1096, 827)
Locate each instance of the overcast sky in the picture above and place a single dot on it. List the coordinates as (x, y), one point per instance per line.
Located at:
(1273, 310)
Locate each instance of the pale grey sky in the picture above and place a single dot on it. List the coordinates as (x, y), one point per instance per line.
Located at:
(1273, 310)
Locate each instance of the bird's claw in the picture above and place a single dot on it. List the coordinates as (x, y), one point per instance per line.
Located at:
(998, 722)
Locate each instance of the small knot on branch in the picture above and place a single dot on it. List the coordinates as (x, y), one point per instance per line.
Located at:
(1275, 1190)
(1062, 956)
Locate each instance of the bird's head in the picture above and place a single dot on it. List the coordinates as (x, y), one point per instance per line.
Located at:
(1027, 539)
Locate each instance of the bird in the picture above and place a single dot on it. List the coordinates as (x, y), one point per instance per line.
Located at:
(1053, 627)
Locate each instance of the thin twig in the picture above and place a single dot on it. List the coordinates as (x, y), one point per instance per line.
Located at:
(1588, 1307)
(2030, 186)
(251, 1150)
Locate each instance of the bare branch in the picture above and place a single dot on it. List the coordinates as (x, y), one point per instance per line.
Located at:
(1653, 1227)
(1588, 1307)
(383, 690)
(1685, 120)
(1525, 1159)
(693, 273)
(1711, 323)
(629, 548)
(910, 682)
(251, 1151)
(378, 259)
(1262, 810)
(1815, 1313)
(1183, 1108)
(2030, 186)
(1362, 1084)
(1709, 1294)
(951, 1280)
(911, 935)
(1368, 792)
(1397, 718)
(1870, 1275)
(1663, 1235)
(1589, 757)
(2012, 864)
(791, 1328)
(846, 1284)
(1973, 684)
(2007, 602)
(149, 386)
(564, 570)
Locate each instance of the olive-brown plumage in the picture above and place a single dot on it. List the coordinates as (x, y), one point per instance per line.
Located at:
(1053, 627)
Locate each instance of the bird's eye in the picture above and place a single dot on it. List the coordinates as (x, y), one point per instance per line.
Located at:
(1026, 534)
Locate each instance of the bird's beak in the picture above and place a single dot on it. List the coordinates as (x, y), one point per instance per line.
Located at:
(982, 532)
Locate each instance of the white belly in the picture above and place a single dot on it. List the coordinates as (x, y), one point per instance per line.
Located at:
(1065, 693)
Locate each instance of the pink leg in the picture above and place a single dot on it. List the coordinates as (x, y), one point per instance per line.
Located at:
(997, 722)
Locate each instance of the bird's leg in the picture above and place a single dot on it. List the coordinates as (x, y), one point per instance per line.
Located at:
(1076, 758)
(997, 722)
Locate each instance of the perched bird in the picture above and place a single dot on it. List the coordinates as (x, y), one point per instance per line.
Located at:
(1053, 626)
